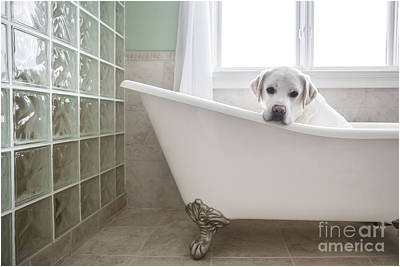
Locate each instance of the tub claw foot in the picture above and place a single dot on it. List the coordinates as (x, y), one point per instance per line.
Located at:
(208, 220)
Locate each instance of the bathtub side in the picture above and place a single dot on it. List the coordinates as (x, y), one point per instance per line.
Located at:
(250, 170)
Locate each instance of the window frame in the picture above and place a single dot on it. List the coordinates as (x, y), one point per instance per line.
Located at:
(323, 77)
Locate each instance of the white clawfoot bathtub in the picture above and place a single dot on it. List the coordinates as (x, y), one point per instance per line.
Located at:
(249, 169)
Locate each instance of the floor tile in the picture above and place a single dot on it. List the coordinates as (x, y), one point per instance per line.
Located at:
(249, 238)
(88, 228)
(162, 237)
(145, 217)
(116, 240)
(333, 261)
(52, 254)
(251, 262)
(304, 241)
(168, 261)
(95, 260)
(385, 261)
(171, 240)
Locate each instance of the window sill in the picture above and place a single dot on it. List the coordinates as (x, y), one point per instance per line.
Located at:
(367, 77)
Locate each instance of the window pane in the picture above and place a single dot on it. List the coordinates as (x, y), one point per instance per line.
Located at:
(350, 33)
(258, 33)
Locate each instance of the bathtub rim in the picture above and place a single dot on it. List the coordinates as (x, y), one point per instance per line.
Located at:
(362, 130)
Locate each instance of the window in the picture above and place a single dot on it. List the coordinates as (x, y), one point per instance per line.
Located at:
(307, 34)
(254, 32)
(353, 34)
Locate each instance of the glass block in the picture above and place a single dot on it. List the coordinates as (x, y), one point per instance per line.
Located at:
(65, 164)
(106, 44)
(32, 173)
(5, 118)
(64, 21)
(30, 13)
(119, 77)
(120, 181)
(64, 62)
(89, 157)
(4, 54)
(106, 80)
(89, 117)
(91, 6)
(6, 236)
(89, 34)
(89, 75)
(119, 116)
(119, 149)
(5, 181)
(66, 210)
(107, 158)
(119, 51)
(107, 12)
(3, 11)
(33, 228)
(31, 117)
(90, 197)
(65, 116)
(106, 116)
(108, 187)
(120, 19)
(30, 64)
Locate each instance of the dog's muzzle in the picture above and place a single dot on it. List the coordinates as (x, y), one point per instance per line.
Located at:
(278, 112)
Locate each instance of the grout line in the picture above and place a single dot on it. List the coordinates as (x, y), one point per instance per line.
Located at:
(296, 257)
(123, 96)
(218, 257)
(11, 132)
(78, 30)
(171, 257)
(98, 102)
(147, 239)
(343, 256)
(49, 57)
(249, 257)
(286, 246)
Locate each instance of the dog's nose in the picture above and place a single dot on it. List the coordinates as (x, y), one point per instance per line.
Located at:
(279, 109)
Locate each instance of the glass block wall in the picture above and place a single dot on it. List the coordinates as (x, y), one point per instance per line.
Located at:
(62, 118)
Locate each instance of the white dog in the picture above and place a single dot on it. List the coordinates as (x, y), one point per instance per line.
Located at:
(288, 95)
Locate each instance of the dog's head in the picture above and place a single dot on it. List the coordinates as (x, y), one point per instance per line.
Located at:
(283, 93)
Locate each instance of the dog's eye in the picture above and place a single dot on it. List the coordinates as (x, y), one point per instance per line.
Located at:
(293, 94)
(271, 90)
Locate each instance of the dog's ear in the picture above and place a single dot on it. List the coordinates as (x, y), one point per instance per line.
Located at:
(309, 92)
(256, 84)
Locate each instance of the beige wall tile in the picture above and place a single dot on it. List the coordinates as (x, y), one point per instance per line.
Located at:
(84, 231)
(59, 249)
(149, 183)
(356, 105)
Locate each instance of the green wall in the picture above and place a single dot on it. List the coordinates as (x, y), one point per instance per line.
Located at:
(151, 25)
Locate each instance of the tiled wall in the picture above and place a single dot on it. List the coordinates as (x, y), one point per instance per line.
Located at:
(149, 182)
(62, 119)
(355, 104)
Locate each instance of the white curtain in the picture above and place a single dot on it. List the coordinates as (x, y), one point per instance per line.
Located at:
(193, 58)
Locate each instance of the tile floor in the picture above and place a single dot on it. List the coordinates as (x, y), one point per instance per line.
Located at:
(162, 237)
